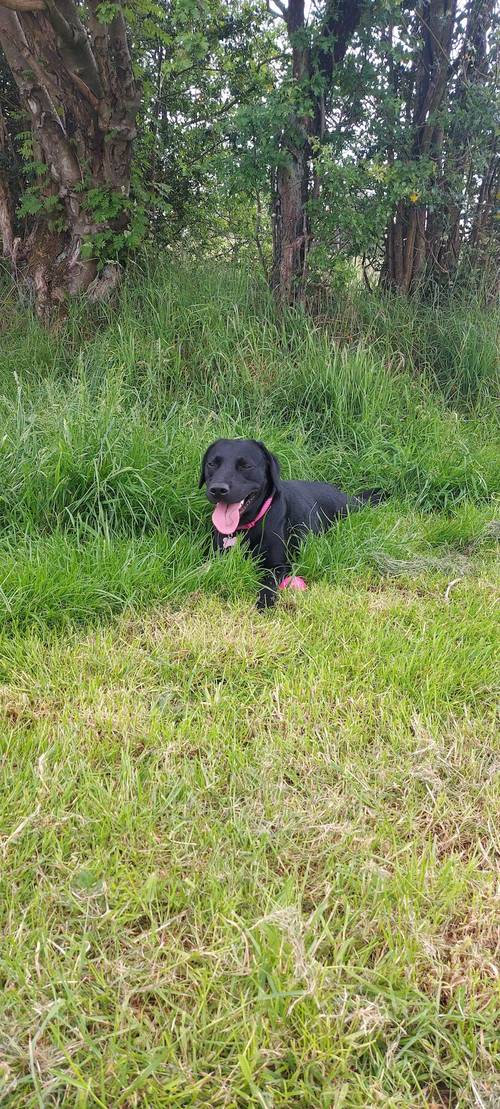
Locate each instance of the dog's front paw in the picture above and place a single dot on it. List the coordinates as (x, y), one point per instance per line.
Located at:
(266, 599)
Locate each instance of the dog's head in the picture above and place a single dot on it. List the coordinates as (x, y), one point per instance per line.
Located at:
(239, 475)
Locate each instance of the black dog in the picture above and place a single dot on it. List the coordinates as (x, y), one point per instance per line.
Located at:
(243, 481)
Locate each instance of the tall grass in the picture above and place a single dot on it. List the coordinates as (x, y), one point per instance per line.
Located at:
(104, 421)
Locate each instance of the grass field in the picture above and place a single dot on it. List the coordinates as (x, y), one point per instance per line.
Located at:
(247, 860)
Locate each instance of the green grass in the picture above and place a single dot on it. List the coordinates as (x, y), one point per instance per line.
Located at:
(247, 860)
(252, 862)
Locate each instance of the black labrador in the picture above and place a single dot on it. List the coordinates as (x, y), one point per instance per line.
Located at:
(243, 482)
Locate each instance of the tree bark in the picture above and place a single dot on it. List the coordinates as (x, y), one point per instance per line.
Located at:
(407, 235)
(77, 86)
(290, 217)
(455, 229)
(6, 204)
(294, 179)
(291, 231)
(485, 232)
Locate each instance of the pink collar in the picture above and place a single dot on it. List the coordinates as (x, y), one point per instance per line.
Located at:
(265, 508)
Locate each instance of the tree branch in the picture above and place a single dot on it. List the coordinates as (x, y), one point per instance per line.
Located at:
(23, 64)
(74, 45)
(111, 51)
(35, 88)
(282, 9)
(127, 88)
(340, 22)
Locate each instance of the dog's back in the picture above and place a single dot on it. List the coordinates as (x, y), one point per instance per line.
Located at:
(313, 505)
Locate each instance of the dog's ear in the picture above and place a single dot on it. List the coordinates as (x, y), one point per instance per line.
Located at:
(273, 465)
(202, 472)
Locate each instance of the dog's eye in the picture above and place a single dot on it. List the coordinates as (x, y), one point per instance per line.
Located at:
(242, 464)
(212, 465)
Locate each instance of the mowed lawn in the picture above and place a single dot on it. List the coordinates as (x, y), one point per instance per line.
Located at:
(250, 861)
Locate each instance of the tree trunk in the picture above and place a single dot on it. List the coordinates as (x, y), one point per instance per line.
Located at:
(485, 233)
(294, 179)
(474, 71)
(409, 234)
(290, 217)
(291, 234)
(76, 84)
(6, 204)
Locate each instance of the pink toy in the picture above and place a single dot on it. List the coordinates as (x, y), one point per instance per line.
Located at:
(294, 583)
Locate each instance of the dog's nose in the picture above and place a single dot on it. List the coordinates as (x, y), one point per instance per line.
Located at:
(219, 490)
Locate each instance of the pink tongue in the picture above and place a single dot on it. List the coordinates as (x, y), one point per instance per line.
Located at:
(226, 517)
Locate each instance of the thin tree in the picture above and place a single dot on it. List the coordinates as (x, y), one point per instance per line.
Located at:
(316, 51)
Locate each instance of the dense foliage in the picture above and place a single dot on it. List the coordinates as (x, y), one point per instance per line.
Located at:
(353, 138)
